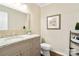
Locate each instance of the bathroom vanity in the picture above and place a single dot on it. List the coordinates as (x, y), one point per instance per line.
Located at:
(21, 45)
(74, 43)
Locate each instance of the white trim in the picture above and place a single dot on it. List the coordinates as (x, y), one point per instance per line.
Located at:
(60, 53)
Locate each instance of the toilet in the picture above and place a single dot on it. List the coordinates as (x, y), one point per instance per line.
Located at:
(45, 49)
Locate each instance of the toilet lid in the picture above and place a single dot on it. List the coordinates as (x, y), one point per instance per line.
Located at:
(45, 46)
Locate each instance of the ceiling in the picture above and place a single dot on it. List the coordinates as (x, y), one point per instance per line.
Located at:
(22, 7)
(17, 6)
(42, 4)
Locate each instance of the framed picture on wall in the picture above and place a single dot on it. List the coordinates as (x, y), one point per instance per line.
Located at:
(54, 22)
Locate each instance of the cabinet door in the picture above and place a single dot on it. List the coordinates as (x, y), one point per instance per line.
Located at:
(25, 47)
(24, 52)
(35, 50)
(9, 51)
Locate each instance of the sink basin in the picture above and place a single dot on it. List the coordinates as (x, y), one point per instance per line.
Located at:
(9, 40)
(2, 41)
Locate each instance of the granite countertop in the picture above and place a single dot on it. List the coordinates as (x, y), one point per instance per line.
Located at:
(13, 39)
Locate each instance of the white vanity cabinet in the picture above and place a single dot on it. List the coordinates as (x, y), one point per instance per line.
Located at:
(29, 47)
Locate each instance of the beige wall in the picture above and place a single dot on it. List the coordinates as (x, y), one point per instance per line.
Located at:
(34, 11)
(59, 39)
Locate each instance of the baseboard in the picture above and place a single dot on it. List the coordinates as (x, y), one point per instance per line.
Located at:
(55, 53)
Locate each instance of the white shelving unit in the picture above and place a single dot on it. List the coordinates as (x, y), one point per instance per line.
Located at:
(74, 43)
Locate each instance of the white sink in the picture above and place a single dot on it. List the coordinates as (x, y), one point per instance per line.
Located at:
(1, 41)
(9, 40)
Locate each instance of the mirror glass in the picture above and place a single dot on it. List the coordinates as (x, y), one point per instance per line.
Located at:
(12, 19)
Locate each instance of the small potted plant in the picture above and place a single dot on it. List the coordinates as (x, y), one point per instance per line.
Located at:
(77, 26)
(29, 31)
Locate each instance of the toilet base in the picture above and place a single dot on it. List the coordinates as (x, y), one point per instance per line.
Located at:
(45, 53)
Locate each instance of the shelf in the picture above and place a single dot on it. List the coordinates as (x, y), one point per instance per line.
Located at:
(75, 31)
(74, 43)
(75, 40)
